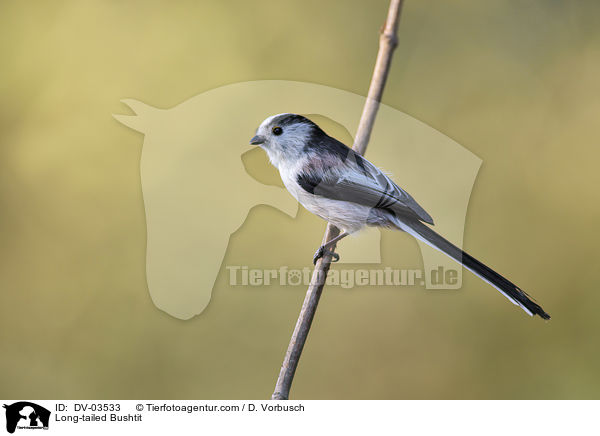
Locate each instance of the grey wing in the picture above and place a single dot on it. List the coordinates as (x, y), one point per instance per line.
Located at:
(359, 181)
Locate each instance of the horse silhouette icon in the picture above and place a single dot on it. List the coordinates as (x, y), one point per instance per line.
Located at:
(197, 192)
(26, 414)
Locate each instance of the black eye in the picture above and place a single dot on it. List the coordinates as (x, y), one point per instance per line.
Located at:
(277, 131)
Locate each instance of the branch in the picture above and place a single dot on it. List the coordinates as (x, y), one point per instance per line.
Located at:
(387, 44)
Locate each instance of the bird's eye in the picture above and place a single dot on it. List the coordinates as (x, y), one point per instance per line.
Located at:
(277, 131)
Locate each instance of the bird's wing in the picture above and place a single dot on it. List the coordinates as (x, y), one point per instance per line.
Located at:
(359, 181)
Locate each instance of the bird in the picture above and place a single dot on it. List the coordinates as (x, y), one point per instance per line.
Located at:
(342, 187)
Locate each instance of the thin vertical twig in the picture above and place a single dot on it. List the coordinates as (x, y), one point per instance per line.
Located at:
(387, 43)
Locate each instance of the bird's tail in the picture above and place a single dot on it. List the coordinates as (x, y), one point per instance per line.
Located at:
(508, 289)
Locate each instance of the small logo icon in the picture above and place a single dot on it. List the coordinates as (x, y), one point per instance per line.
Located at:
(26, 415)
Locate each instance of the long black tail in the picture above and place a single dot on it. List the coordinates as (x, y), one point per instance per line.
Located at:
(509, 289)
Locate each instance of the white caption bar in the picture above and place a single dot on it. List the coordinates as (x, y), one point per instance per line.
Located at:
(298, 417)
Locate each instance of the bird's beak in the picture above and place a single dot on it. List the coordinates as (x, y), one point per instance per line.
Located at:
(258, 139)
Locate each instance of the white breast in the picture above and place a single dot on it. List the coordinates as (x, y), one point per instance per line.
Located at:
(347, 216)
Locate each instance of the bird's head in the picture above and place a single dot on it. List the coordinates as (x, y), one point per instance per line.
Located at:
(285, 137)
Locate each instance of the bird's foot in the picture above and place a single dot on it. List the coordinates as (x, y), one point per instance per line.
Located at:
(322, 251)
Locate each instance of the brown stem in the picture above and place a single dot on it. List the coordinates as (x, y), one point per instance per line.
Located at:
(387, 44)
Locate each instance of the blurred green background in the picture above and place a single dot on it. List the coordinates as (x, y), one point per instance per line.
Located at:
(516, 82)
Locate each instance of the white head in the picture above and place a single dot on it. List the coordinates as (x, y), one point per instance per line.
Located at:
(26, 412)
(285, 137)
